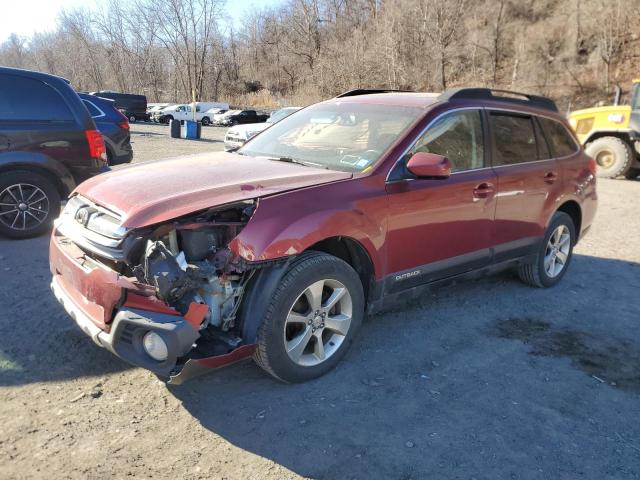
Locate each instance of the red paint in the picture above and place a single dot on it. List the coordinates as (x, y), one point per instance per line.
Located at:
(151, 304)
(240, 353)
(196, 313)
(431, 165)
(96, 292)
(176, 187)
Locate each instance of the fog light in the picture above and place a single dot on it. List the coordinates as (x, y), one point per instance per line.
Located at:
(155, 346)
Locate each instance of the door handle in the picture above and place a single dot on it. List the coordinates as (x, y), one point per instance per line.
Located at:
(550, 177)
(483, 190)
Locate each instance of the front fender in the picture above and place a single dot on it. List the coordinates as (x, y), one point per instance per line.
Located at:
(288, 224)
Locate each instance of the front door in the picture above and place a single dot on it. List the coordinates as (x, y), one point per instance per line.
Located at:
(442, 227)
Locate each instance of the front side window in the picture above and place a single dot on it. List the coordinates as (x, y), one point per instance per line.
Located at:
(23, 98)
(457, 136)
(514, 139)
(562, 142)
(337, 135)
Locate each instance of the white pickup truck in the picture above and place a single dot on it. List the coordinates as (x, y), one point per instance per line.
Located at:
(185, 112)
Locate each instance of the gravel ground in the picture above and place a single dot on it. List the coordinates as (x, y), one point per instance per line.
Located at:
(487, 380)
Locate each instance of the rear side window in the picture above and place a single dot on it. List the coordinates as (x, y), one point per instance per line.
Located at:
(23, 98)
(93, 110)
(457, 136)
(561, 141)
(543, 146)
(514, 139)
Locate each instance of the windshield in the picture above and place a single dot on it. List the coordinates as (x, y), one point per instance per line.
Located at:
(280, 114)
(339, 135)
(635, 96)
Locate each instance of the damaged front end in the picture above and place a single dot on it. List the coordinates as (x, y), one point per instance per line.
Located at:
(181, 287)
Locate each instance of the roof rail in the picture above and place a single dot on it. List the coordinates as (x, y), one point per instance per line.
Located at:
(368, 91)
(505, 96)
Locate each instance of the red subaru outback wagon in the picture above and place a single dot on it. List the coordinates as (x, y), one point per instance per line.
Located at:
(344, 207)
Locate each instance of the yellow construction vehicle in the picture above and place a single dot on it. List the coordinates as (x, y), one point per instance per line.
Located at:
(611, 135)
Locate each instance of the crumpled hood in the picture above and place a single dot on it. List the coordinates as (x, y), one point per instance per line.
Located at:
(153, 192)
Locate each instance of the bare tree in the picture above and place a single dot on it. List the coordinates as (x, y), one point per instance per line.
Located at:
(441, 24)
(612, 35)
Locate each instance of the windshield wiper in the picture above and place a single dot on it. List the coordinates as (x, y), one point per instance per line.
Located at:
(291, 160)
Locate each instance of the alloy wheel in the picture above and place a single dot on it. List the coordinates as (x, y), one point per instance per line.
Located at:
(23, 206)
(557, 251)
(318, 322)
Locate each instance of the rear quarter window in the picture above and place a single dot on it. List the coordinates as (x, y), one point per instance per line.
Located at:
(93, 110)
(561, 140)
(24, 98)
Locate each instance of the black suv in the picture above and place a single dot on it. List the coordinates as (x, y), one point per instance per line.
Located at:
(244, 116)
(48, 144)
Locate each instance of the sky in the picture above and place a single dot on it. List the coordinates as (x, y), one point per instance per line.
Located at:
(25, 17)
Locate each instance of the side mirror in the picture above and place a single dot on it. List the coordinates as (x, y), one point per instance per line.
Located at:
(423, 164)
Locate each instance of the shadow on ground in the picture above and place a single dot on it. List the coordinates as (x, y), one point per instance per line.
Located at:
(471, 381)
(459, 387)
(38, 341)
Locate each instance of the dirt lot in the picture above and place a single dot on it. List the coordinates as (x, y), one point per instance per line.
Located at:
(485, 380)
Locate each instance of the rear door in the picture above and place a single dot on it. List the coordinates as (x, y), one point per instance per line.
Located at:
(442, 227)
(36, 120)
(528, 182)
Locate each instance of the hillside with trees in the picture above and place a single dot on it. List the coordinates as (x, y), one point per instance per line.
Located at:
(305, 50)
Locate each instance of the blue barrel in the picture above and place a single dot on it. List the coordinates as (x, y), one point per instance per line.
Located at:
(191, 129)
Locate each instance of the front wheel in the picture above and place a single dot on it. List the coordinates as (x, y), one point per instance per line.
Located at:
(554, 254)
(312, 318)
(132, 119)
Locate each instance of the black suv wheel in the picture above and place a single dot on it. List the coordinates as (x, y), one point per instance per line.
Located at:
(29, 203)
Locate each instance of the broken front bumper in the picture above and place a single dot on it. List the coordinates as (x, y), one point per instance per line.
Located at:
(104, 306)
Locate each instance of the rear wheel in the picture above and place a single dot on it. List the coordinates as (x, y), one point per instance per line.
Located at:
(29, 202)
(612, 155)
(312, 319)
(132, 119)
(205, 121)
(554, 254)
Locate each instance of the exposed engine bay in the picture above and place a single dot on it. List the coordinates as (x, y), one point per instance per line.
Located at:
(189, 262)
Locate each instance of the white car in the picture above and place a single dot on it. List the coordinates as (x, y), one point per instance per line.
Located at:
(154, 108)
(237, 136)
(185, 112)
(218, 118)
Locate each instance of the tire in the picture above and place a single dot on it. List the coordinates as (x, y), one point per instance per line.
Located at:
(168, 119)
(38, 216)
(206, 121)
(308, 270)
(132, 119)
(536, 273)
(632, 173)
(613, 156)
